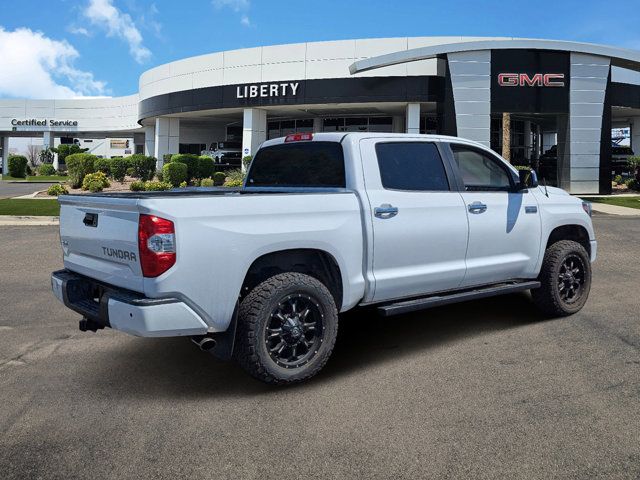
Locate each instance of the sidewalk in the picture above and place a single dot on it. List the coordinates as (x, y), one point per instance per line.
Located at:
(13, 220)
(614, 209)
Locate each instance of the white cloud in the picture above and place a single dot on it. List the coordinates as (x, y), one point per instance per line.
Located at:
(238, 6)
(78, 30)
(35, 66)
(104, 15)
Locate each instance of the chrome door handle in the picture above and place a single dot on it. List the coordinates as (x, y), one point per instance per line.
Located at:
(477, 207)
(385, 211)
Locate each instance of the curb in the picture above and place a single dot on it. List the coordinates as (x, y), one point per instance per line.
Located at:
(14, 220)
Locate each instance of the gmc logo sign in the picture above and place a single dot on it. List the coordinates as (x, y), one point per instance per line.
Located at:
(537, 80)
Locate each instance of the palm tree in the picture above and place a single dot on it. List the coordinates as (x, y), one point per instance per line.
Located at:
(506, 136)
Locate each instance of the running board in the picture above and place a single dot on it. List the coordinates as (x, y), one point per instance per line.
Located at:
(437, 300)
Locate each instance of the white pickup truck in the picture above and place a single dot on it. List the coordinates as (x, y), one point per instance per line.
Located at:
(324, 223)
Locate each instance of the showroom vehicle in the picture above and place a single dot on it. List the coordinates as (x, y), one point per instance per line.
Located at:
(226, 154)
(324, 223)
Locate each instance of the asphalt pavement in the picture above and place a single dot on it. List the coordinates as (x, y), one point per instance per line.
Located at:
(15, 189)
(486, 389)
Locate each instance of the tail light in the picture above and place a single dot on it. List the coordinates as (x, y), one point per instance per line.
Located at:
(156, 245)
(298, 137)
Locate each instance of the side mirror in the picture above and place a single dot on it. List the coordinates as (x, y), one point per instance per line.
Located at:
(528, 179)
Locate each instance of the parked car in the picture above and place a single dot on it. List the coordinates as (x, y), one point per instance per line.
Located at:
(228, 153)
(324, 223)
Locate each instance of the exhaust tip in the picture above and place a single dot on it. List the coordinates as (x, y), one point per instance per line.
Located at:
(204, 343)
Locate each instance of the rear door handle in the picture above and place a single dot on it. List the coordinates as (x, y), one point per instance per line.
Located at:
(477, 207)
(385, 211)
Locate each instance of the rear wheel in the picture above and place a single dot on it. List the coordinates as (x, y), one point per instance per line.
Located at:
(287, 328)
(566, 279)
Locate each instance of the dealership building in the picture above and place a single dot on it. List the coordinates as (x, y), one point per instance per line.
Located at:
(563, 100)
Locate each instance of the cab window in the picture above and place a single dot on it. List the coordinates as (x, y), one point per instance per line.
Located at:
(480, 171)
(414, 166)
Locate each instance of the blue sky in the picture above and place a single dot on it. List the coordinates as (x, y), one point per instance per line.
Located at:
(65, 48)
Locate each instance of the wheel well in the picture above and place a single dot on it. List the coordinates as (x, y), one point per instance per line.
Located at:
(315, 263)
(571, 232)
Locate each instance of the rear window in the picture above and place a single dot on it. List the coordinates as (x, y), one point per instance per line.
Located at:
(299, 164)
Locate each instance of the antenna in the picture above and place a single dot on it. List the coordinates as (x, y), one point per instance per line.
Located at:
(544, 182)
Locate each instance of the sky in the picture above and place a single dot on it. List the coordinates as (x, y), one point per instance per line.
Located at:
(67, 49)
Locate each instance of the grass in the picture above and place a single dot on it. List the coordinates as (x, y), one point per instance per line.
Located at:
(27, 207)
(631, 202)
(37, 178)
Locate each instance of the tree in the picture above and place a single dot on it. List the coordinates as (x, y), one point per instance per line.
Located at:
(33, 155)
(65, 150)
(506, 136)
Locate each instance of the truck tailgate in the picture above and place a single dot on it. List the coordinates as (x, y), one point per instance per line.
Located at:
(99, 237)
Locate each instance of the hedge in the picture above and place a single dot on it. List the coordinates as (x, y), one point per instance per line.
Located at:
(46, 169)
(102, 165)
(78, 166)
(143, 167)
(174, 173)
(119, 167)
(18, 166)
(205, 167)
(190, 160)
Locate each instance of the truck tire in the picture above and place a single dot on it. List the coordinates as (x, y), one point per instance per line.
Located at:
(566, 279)
(287, 327)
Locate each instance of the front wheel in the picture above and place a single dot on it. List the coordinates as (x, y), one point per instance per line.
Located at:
(287, 327)
(566, 279)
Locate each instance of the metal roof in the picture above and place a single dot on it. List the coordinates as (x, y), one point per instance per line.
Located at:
(620, 57)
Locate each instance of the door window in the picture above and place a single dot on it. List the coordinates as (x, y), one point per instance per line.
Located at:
(411, 166)
(480, 171)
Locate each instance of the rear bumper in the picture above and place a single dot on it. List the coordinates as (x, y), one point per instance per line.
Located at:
(120, 309)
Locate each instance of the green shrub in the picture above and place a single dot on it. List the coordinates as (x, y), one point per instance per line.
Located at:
(191, 161)
(143, 167)
(183, 185)
(235, 178)
(46, 169)
(78, 166)
(617, 179)
(57, 189)
(246, 161)
(130, 171)
(152, 186)
(632, 184)
(17, 166)
(137, 186)
(118, 168)
(219, 178)
(175, 173)
(66, 150)
(166, 158)
(102, 165)
(95, 182)
(206, 182)
(29, 171)
(205, 166)
(159, 175)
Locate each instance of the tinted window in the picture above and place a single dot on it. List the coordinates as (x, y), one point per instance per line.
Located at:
(479, 170)
(299, 164)
(411, 166)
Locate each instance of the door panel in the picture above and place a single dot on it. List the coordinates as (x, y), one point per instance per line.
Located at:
(504, 240)
(419, 236)
(504, 224)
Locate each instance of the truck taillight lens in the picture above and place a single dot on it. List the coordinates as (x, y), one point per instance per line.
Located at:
(156, 244)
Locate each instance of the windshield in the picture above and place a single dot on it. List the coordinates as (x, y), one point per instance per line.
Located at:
(298, 164)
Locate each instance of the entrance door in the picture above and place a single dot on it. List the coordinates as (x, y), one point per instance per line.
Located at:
(504, 225)
(419, 222)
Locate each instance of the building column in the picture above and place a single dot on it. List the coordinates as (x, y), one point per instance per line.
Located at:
(397, 124)
(166, 138)
(254, 130)
(5, 155)
(527, 140)
(587, 90)
(150, 141)
(634, 123)
(413, 118)
(317, 125)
